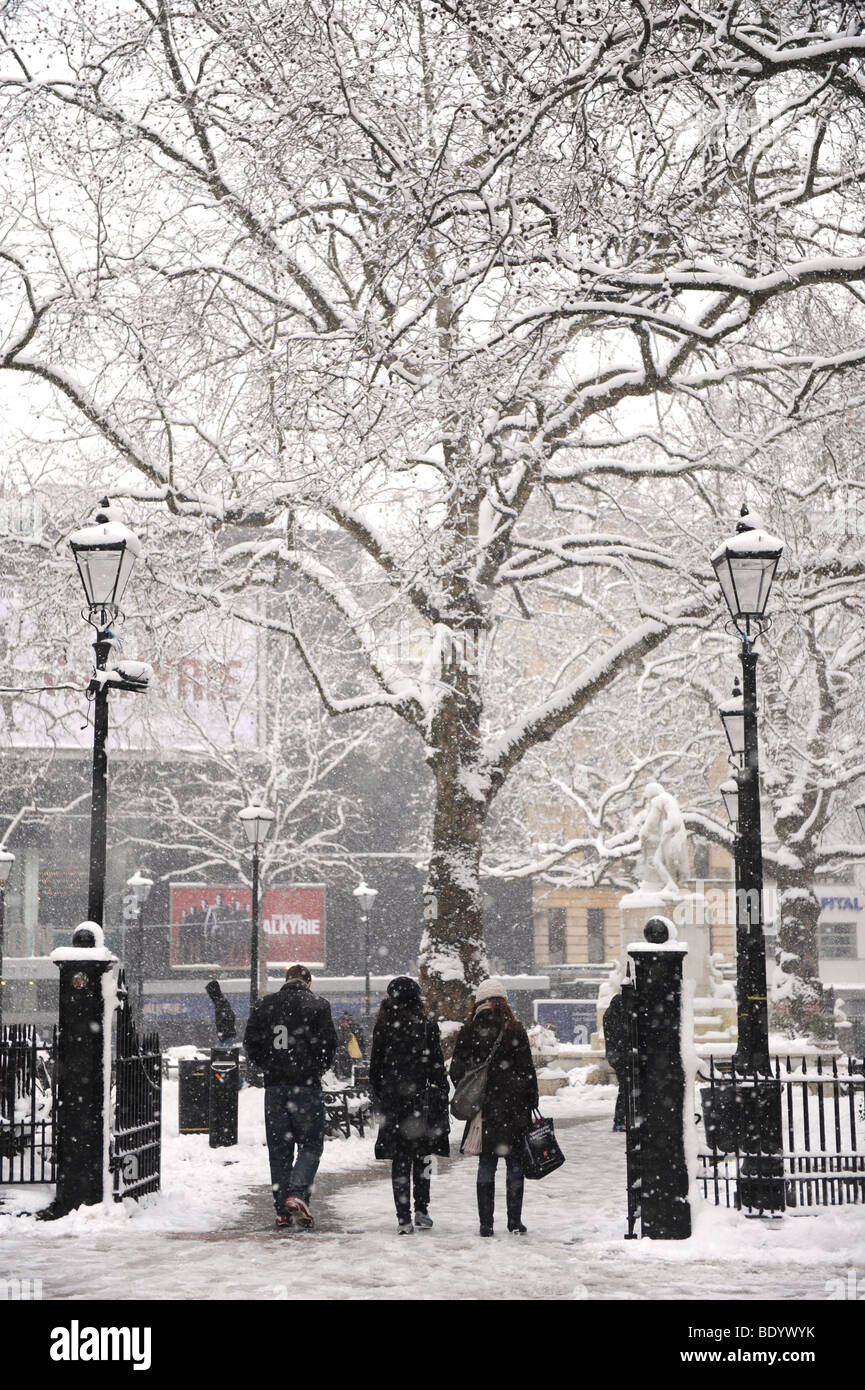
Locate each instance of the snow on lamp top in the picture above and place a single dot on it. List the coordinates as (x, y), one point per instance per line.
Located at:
(732, 714)
(365, 895)
(256, 820)
(745, 565)
(6, 862)
(105, 553)
(140, 886)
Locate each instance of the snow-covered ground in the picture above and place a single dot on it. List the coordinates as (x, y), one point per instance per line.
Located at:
(209, 1233)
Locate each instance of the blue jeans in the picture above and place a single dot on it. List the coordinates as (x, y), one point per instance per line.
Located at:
(293, 1116)
(487, 1167)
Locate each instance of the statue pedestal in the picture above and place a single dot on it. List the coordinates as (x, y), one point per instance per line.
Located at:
(714, 1010)
(693, 919)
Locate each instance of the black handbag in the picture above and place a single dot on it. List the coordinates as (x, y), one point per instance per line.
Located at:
(468, 1096)
(541, 1152)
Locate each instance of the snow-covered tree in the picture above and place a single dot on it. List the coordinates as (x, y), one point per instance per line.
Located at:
(455, 282)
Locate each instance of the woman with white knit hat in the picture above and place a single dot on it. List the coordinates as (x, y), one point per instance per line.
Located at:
(491, 1032)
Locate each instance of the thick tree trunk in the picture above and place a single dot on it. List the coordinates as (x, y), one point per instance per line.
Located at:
(796, 1000)
(453, 957)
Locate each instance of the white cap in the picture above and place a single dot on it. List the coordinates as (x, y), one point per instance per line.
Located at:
(490, 989)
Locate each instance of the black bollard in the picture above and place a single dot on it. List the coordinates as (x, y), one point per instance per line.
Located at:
(665, 1212)
(224, 1082)
(83, 1065)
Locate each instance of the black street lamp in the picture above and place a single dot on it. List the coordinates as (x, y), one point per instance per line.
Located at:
(140, 887)
(7, 861)
(745, 565)
(365, 897)
(732, 714)
(105, 553)
(859, 808)
(256, 821)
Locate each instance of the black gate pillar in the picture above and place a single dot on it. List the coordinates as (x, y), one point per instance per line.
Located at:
(83, 1076)
(665, 1212)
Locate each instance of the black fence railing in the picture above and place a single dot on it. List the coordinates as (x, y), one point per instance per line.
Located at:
(27, 1153)
(136, 1144)
(633, 1115)
(818, 1154)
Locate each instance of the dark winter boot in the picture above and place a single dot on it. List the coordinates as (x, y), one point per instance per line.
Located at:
(486, 1206)
(514, 1189)
(401, 1182)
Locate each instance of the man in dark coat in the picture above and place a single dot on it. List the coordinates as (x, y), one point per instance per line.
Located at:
(615, 1045)
(291, 1036)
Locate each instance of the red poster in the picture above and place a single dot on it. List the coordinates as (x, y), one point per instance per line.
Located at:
(211, 925)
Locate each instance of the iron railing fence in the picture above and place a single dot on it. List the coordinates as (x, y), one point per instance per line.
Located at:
(136, 1141)
(820, 1160)
(633, 1106)
(27, 1098)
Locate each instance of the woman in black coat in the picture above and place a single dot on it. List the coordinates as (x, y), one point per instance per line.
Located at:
(492, 1031)
(408, 1080)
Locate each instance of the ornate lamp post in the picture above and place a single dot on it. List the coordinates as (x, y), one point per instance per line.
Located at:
(140, 887)
(7, 861)
(365, 897)
(745, 565)
(256, 821)
(105, 553)
(859, 808)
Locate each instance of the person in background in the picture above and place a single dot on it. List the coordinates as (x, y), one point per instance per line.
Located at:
(349, 1049)
(224, 1017)
(291, 1036)
(613, 1025)
(408, 1080)
(491, 1032)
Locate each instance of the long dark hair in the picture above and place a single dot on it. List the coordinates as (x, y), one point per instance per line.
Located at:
(391, 1010)
(501, 1011)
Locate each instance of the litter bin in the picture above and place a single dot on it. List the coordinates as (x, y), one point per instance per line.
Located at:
(224, 1082)
(193, 1096)
(721, 1115)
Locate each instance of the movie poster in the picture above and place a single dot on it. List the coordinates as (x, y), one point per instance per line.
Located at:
(211, 924)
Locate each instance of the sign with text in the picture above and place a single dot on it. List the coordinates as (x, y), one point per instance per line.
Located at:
(204, 692)
(574, 1020)
(211, 924)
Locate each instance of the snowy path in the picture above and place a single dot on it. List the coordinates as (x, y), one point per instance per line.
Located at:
(209, 1236)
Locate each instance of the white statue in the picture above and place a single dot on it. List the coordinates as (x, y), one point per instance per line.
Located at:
(663, 841)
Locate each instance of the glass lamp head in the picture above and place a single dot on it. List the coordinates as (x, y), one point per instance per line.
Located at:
(256, 821)
(745, 565)
(105, 553)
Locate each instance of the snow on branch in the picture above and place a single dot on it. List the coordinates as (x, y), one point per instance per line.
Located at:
(503, 753)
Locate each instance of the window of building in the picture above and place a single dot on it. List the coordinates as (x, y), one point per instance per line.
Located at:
(557, 935)
(597, 944)
(837, 940)
(701, 860)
